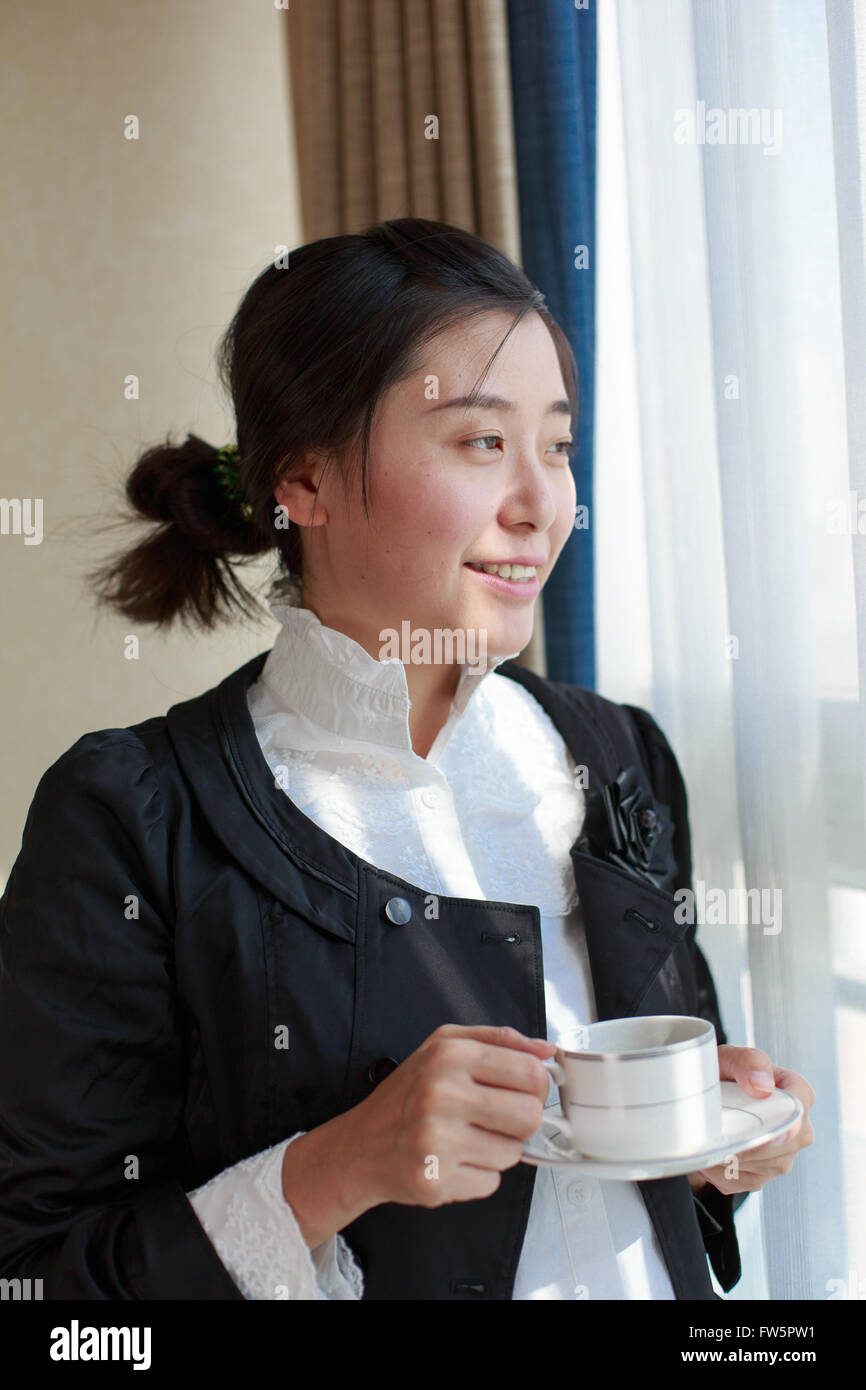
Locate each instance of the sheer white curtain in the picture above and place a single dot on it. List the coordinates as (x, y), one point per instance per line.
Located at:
(846, 24)
(726, 597)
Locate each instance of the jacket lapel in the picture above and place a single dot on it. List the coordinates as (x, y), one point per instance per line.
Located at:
(215, 744)
(628, 922)
(630, 933)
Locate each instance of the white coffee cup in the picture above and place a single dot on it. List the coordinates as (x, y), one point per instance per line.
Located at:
(640, 1088)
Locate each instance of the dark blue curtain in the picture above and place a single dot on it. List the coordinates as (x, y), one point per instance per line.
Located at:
(553, 79)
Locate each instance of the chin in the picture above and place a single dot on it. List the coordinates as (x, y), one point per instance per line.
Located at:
(502, 640)
(503, 632)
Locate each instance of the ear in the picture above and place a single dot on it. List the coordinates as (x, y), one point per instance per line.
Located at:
(298, 495)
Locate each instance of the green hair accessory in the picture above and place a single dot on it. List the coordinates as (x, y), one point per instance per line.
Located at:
(226, 469)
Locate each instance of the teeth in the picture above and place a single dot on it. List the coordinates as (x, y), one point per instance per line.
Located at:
(521, 573)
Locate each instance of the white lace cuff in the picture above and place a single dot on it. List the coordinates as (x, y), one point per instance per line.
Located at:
(254, 1231)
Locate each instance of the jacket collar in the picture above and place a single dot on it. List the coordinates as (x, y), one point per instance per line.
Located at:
(630, 926)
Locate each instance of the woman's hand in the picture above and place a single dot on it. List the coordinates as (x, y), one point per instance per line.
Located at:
(440, 1128)
(446, 1123)
(753, 1070)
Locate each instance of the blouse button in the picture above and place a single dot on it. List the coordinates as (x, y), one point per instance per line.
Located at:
(382, 1067)
(577, 1194)
(431, 796)
(398, 911)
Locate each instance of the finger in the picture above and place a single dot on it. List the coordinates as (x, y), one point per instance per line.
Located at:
(763, 1153)
(770, 1168)
(749, 1067)
(781, 1144)
(501, 1036)
(743, 1182)
(792, 1081)
(509, 1069)
(757, 1165)
(491, 1064)
(800, 1136)
(502, 1112)
(800, 1132)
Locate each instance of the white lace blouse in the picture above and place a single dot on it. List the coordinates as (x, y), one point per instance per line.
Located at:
(490, 813)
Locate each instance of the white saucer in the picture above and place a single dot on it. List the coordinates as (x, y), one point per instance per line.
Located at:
(746, 1122)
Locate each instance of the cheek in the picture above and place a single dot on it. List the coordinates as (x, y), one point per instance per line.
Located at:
(566, 505)
(428, 517)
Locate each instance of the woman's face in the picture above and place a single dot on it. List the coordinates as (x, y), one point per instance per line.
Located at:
(449, 490)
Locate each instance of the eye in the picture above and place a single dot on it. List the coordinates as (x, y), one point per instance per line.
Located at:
(481, 439)
(566, 447)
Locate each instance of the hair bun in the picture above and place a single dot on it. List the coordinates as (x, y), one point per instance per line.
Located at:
(182, 568)
(180, 485)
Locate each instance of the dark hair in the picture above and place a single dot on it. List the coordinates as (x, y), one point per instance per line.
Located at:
(306, 358)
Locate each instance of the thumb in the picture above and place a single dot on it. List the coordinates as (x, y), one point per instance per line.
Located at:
(749, 1067)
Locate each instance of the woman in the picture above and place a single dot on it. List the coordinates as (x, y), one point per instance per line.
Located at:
(280, 968)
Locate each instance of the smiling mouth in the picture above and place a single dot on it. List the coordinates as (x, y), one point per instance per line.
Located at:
(518, 574)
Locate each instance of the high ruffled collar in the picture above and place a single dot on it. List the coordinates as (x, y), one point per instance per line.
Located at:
(332, 680)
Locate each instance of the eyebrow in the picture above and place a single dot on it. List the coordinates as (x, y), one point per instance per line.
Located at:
(496, 403)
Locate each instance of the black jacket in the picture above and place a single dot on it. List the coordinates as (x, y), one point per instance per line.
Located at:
(171, 908)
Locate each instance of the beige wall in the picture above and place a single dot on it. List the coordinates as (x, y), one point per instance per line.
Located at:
(120, 257)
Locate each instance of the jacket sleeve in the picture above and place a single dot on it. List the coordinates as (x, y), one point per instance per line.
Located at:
(715, 1210)
(92, 1052)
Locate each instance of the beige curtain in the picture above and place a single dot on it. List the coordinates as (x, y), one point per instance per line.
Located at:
(365, 77)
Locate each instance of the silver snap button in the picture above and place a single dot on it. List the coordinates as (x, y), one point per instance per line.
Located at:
(398, 911)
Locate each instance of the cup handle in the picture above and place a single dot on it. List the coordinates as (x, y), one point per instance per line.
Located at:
(557, 1071)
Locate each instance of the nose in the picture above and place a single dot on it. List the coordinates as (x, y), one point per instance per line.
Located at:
(531, 498)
